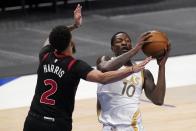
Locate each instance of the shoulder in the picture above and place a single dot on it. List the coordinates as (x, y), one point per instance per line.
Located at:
(80, 64)
(44, 50)
(81, 69)
(102, 59)
(78, 61)
(147, 75)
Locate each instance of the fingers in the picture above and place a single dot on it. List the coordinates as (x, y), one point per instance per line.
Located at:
(78, 9)
(169, 47)
(144, 38)
(146, 33)
(78, 15)
(162, 60)
(147, 60)
(167, 51)
(141, 66)
(147, 42)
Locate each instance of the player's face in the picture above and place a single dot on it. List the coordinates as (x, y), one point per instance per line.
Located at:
(122, 44)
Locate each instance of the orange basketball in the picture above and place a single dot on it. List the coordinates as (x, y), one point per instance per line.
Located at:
(156, 45)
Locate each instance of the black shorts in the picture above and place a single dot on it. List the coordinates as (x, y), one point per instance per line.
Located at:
(35, 122)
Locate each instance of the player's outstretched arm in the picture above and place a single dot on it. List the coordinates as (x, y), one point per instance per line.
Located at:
(106, 64)
(113, 76)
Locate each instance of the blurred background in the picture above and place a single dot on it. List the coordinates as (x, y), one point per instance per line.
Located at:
(25, 25)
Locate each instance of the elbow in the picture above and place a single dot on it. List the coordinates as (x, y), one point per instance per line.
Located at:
(102, 79)
(104, 69)
(158, 103)
(98, 77)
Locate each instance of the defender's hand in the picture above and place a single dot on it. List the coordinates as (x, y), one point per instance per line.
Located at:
(141, 66)
(78, 15)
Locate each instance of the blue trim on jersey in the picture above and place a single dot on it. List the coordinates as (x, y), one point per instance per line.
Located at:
(6, 80)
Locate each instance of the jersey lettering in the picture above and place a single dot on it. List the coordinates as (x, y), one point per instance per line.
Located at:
(53, 69)
(53, 88)
(129, 89)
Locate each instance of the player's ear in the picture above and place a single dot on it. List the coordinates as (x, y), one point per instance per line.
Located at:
(113, 48)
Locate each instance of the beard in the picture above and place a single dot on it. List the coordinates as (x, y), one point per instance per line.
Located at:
(124, 49)
(73, 48)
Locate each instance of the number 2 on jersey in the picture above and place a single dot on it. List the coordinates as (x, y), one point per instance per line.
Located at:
(53, 88)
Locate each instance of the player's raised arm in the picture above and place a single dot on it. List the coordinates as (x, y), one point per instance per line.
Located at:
(156, 92)
(106, 64)
(77, 21)
(77, 18)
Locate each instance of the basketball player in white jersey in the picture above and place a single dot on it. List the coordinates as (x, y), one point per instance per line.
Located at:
(118, 102)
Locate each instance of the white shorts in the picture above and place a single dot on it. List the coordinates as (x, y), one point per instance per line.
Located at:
(123, 128)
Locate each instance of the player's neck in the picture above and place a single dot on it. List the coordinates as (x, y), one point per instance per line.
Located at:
(68, 52)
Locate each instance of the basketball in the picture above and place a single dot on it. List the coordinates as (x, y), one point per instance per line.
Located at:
(156, 45)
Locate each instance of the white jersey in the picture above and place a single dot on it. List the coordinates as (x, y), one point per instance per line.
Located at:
(120, 101)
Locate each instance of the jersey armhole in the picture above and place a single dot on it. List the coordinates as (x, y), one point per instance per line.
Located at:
(44, 57)
(142, 75)
(71, 63)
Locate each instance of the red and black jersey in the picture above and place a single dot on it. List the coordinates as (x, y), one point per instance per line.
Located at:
(57, 81)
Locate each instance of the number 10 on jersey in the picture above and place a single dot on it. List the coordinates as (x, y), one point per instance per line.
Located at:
(128, 89)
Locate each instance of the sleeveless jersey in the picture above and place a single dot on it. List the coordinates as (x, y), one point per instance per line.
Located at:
(120, 100)
(57, 82)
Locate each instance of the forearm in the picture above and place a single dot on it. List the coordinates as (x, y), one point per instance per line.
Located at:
(113, 76)
(72, 27)
(159, 92)
(116, 63)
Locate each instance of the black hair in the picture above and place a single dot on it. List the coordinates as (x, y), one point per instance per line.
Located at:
(114, 36)
(60, 37)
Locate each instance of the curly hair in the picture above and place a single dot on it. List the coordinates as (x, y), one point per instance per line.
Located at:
(60, 37)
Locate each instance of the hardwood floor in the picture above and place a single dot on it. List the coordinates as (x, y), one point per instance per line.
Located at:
(177, 114)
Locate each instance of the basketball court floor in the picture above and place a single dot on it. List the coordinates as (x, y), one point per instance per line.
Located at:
(177, 114)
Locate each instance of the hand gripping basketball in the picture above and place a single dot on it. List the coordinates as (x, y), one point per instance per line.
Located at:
(156, 45)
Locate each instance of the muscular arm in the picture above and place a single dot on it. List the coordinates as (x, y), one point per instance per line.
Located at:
(113, 76)
(108, 77)
(106, 64)
(156, 93)
(77, 21)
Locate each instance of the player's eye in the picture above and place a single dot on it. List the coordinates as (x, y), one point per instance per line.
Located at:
(128, 41)
(118, 40)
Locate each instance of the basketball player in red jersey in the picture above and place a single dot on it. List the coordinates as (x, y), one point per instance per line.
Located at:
(59, 74)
